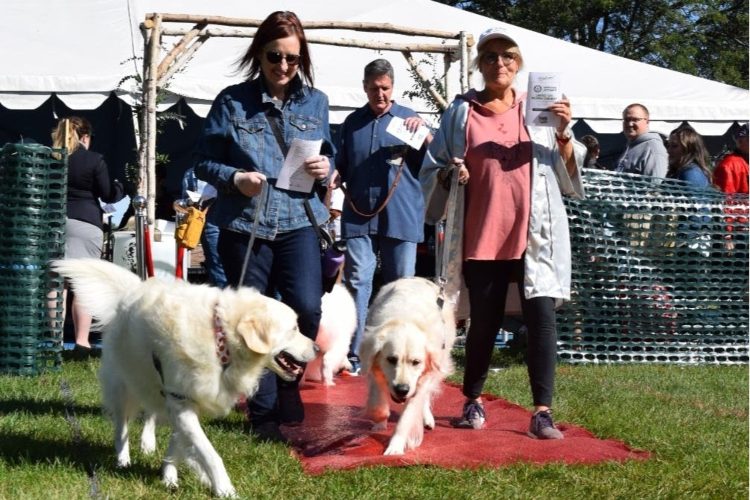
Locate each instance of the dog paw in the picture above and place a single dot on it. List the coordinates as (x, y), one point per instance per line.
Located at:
(429, 422)
(169, 476)
(225, 491)
(329, 383)
(123, 460)
(395, 447)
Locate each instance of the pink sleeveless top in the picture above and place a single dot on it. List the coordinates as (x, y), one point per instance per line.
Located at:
(498, 194)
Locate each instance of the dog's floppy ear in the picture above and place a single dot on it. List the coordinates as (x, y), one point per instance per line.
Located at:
(254, 334)
(436, 353)
(368, 350)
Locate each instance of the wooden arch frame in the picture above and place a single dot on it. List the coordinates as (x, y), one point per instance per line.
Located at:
(196, 30)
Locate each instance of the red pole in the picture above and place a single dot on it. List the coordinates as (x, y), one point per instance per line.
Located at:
(179, 262)
(147, 251)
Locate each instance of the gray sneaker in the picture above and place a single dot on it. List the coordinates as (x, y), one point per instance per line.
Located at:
(542, 426)
(472, 416)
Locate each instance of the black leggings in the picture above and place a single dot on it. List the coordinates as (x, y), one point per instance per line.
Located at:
(487, 282)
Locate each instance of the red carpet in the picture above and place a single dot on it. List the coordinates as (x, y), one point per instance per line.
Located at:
(335, 436)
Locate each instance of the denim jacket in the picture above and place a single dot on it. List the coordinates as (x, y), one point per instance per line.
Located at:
(237, 137)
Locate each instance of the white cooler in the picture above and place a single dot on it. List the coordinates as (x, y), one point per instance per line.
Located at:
(163, 251)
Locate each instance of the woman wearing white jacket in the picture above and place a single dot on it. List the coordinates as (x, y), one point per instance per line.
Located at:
(508, 221)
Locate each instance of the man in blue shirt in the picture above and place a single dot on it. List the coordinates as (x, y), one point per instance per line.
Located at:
(383, 214)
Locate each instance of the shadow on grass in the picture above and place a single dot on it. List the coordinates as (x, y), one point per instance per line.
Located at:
(22, 449)
(53, 407)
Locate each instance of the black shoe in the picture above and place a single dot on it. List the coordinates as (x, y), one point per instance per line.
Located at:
(542, 426)
(291, 410)
(267, 432)
(472, 416)
(80, 353)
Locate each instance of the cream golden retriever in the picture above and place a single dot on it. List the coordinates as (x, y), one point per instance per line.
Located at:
(337, 325)
(406, 353)
(180, 351)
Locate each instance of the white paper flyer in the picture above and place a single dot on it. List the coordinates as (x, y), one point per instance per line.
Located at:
(293, 176)
(544, 89)
(414, 139)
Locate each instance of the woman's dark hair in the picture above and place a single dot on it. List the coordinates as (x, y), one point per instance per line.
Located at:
(280, 24)
(693, 151)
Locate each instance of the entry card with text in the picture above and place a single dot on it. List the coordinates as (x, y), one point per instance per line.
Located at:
(293, 176)
(544, 89)
(414, 139)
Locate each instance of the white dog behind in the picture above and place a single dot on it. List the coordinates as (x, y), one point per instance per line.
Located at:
(406, 353)
(337, 325)
(180, 351)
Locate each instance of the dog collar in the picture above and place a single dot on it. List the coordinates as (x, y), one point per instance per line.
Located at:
(222, 350)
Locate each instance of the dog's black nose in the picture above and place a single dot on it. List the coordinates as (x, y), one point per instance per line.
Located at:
(401, 390)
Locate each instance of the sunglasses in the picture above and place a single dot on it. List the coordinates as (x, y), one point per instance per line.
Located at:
(491, 57)
(275, 57)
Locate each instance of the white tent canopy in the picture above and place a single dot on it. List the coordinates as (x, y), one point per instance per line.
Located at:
(82, 50)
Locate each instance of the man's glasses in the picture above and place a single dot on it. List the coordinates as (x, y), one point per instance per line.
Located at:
(275, 57)
(632, 119)
(505, 57)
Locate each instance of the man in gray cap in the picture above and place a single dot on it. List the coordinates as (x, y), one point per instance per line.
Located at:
(645, 153)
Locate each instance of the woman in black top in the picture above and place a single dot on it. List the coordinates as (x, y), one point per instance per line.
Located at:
(88, 182)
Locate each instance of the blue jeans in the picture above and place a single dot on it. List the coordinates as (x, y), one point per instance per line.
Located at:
(210, 243)
(398, 259)
(287, 267)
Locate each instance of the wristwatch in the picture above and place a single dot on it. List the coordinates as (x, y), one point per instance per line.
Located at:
(563, 138)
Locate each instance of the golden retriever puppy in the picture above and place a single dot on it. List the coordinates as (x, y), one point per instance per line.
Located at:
(406, 354)
(179, 351)
(337, 325)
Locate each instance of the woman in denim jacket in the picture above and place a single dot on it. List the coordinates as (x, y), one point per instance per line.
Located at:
(237, 152)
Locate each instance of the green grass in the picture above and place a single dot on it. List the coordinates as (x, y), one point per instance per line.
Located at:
(694, 420)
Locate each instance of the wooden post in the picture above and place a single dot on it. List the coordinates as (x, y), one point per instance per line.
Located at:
(309, 25)
(447, 61)
(142, 188)
(178, 48)
(150, 105)
(439, 100)
(181, 60)
(464, 51)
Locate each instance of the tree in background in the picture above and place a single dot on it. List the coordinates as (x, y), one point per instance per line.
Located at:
(706, 38)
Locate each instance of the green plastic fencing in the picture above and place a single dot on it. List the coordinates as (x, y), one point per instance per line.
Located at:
(33, 185)
(660, 274)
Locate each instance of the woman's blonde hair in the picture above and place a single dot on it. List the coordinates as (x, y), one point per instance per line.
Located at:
(69, 131)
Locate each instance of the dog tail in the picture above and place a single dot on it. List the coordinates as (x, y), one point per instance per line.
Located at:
(98, 284)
